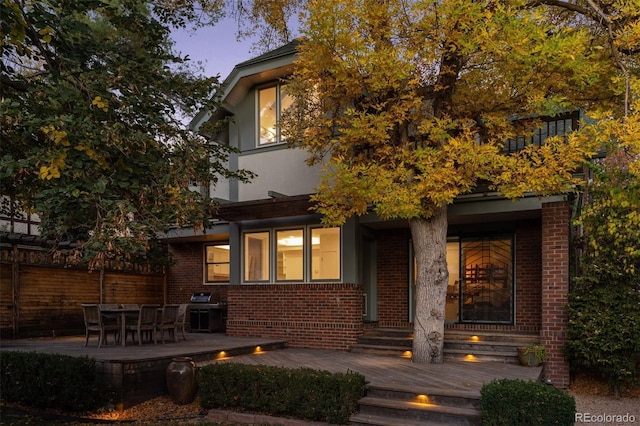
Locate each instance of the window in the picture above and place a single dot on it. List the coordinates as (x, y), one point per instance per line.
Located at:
(325, 254)
(217, 263)
(289, 254)
(487, 279)
(256, 256)
(271, 102)
(480, 287)
(299, 254)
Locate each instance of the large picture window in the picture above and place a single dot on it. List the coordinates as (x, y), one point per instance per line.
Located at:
(297, 255)
(217, 263)
(256, 256)
(272, 101)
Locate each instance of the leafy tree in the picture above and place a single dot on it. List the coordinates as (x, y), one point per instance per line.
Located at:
(92, 99)
(408, 104)
(604, 305)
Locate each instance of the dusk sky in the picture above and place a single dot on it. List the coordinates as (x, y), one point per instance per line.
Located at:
(215, 46)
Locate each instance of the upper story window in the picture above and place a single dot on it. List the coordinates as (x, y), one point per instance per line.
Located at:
(272, 101)
(217, 261)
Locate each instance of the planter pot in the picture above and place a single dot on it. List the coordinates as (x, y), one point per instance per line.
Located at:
(528, 359)
(181, 380)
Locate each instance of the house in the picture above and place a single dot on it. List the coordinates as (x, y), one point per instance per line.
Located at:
(283, 275)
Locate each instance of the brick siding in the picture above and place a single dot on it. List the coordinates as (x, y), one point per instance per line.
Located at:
(322, 315)
(555, 288)
(185, 276)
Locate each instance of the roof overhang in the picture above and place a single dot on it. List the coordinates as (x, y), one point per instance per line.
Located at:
(271, 208)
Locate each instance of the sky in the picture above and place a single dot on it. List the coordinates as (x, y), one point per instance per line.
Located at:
(215, 46)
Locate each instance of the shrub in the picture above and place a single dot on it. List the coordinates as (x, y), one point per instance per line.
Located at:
(604, 331)
(303, 393)
(527, 403)
(52, 381)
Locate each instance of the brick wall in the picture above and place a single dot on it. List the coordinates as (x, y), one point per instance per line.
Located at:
(393, 277)
(322, 315)
(528, 276)
(185, 276)
(555, 288)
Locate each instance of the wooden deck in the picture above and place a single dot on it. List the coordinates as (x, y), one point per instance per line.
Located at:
(394, 372)
(150, 361)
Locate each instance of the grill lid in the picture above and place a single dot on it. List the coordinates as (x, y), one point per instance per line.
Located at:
(200, 297)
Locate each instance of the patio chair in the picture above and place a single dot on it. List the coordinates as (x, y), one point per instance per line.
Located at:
(130, 306)
(110, 319)
(182, 318)
(146, 324)
(93, 324)
(169, 322)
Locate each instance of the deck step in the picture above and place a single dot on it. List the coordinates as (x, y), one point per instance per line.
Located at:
(403, 412)
(458, 344)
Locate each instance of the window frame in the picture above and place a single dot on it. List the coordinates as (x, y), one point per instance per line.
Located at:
(307, 274)
(279, 140)
(269, 256)
(207, 263)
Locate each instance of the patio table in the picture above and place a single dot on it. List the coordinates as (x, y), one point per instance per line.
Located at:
(123, 318)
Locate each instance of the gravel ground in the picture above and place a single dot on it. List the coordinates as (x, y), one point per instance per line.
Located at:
(599, 410)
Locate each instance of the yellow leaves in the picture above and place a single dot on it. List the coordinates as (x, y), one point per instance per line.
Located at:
(52, 170)
(100, 103)
(46, 34)
(58, 137)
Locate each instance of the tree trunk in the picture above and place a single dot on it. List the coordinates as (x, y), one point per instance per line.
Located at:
(430, 245)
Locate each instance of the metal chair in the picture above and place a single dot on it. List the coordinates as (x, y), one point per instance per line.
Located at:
(146, 324)
(169, 322)
(182, 318)
(93, 324)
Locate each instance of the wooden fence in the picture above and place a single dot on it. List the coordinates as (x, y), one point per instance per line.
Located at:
(40, 295)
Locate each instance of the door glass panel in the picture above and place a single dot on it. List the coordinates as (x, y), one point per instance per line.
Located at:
(453, 286)
(487, 280)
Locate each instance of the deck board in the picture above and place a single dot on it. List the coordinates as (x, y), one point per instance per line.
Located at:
(388, 371)
(378, 370)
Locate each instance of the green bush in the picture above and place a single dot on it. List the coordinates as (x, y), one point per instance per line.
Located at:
(52, 381)
(302, 393)
(604, 331)
(527, 403)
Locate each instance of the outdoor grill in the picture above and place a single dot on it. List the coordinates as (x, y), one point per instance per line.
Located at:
(205, 316)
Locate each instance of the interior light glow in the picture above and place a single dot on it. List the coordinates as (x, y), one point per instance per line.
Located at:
(406, 354)
(296, 241)
(475, 338)
(470, 358)
(257, 350)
